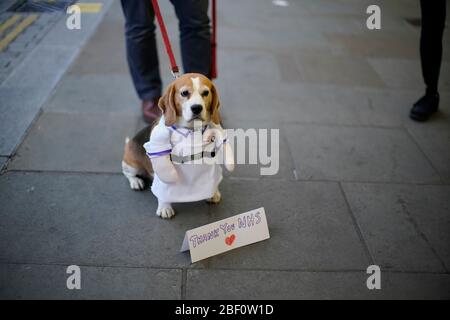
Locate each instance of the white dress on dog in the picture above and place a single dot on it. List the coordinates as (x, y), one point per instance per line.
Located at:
(198, 176)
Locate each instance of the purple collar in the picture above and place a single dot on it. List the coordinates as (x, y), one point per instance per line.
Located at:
(185, 134)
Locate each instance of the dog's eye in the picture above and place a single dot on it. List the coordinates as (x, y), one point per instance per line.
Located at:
(184, 93)
(205, 93)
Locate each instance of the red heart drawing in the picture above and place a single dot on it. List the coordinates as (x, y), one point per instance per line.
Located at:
(229, 240)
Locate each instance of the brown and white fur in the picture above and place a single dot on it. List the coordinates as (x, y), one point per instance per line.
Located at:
(182, 96)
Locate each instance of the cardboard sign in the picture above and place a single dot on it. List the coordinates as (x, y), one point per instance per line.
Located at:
(225, 235)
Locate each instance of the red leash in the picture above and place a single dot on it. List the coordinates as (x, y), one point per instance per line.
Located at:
(173, 64)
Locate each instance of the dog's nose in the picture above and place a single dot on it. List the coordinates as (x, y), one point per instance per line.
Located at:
(196, 109)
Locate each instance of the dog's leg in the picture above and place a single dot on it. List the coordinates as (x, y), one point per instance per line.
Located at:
(165, 210)
(215, 198)
(131, 173)
(164, 168)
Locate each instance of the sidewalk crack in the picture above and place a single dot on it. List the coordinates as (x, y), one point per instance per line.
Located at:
(183, 283)
(357, 226)
(420, 233)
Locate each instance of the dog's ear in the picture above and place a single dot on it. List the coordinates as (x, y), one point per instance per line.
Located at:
(168, 105)
(215, 104)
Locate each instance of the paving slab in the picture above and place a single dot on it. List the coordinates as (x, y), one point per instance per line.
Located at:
(105, 52)
(379, 45)
(60, 35)
(34, 78)
(26, 41)
(434, 140)
(49, 64)
(407, 74)
(391, 108)
(309, 223)
(293, 39)
(246, 14)
(341, 24)
(328, 104)
(338, 105)
(95, 94)
(405, 227)
(291, 102)
(289, 38)
(49, 282)
(394, 22)
(329, 7)
(300, 103)
(337, 69)
(3, 162)
(288, 69)
(19, 107)
(237, 104)
(405, 8)
(417, 286)
(283, 163)
(247, 285)
(263, 17)
(75, 142)
(255, 67)
(6, 4)
(90, 219)
(357, 154)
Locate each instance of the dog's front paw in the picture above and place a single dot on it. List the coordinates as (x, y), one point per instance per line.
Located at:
(229, 166)
(165, 212)
(215, 198)
(229, 158)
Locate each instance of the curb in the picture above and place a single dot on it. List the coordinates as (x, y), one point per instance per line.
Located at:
(31, 83)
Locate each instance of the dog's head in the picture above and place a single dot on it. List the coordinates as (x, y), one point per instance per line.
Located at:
(190, 97)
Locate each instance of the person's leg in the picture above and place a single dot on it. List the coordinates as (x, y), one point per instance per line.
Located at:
(195, 35)
(433, 24)
(142, 52)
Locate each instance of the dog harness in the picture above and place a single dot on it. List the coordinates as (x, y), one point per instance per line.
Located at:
(195, 160)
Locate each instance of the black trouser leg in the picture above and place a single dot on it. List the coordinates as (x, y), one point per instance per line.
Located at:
(433, 23)
(195, 35)
(142, 54)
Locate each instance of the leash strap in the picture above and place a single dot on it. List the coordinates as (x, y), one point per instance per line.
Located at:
(173, 64)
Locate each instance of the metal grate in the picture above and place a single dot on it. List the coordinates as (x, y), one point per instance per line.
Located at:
(41, 5)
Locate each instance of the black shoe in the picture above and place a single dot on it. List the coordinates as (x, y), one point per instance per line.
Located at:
(425, 107)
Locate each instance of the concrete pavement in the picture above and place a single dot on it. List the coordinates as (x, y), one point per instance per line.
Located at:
(359, 183)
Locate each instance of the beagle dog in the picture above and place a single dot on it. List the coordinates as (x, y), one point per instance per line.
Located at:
(178, 148)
